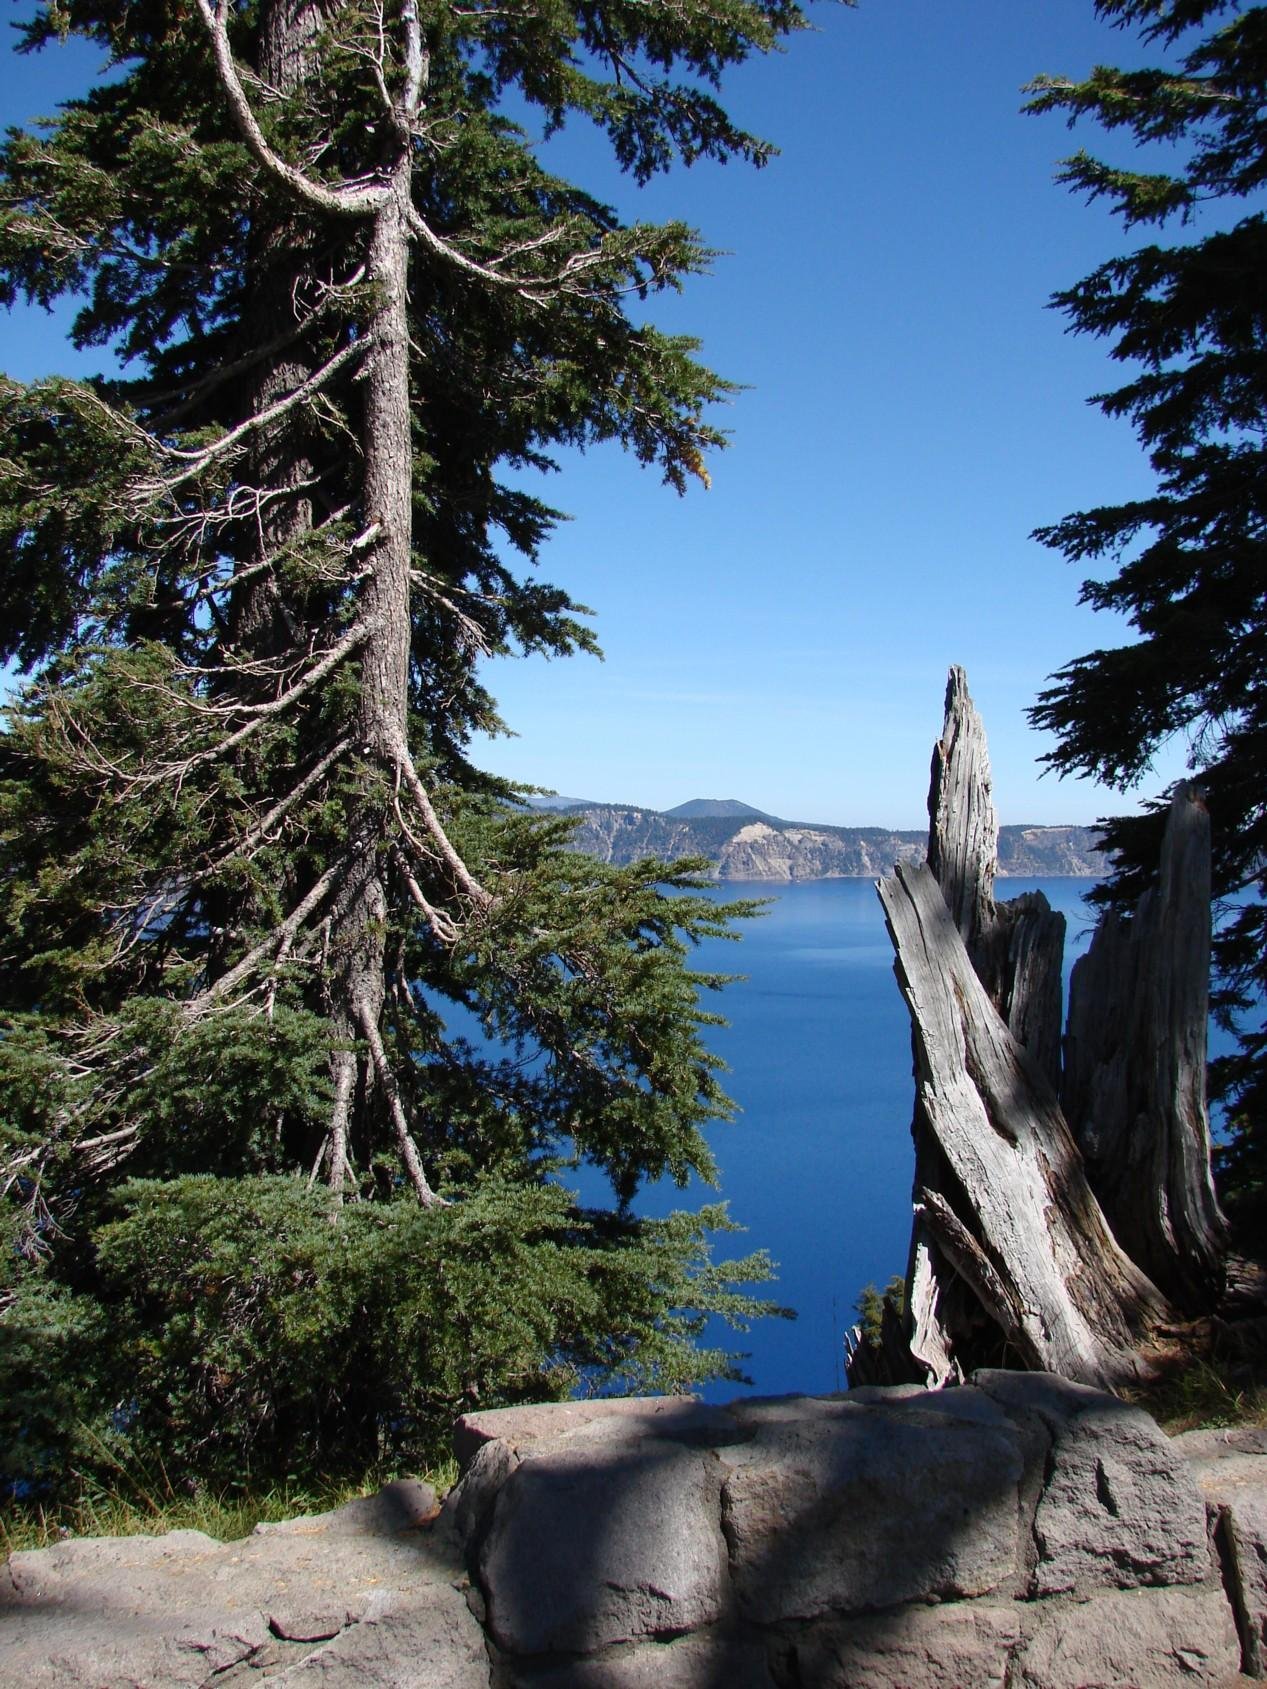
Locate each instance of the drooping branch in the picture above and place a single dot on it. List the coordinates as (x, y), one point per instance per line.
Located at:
(257, 959)
(196, 461)
(259, 714)
(462, 875)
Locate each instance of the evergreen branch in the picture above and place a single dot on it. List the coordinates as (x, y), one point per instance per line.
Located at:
(351, 641)
(259, 831)
(528, 288)
(206, 455)
(441, 924)
(407, 771)
(476, 636)
(230, 369)
(146, 911)
(126, 782)
(195, 528)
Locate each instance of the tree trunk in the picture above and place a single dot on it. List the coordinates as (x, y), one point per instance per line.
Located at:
(1135, 1065)
(359, 928)
(279, 462)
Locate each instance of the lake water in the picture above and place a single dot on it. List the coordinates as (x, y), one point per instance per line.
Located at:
(818, 1166)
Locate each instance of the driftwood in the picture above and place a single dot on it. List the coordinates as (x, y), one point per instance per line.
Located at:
(1012, 1256)
(1135, 1063)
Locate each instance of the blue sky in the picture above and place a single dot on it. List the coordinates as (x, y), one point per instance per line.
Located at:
(912, 411)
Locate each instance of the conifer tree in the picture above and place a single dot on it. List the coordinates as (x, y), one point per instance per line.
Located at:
(1189, 558)
(273, 952)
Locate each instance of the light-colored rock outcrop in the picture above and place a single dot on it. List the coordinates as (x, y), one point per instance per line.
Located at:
(1017, 1532)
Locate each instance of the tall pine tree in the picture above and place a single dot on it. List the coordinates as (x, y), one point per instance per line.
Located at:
(1190, 558)
(300, 1015)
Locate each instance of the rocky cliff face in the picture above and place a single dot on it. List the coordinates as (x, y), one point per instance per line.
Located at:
(743, 849)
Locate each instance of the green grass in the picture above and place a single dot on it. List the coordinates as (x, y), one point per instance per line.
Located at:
(1205, 1394)
(142, 1506)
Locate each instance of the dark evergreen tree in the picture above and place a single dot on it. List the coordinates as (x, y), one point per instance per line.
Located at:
(1190, 558)
(300, 1014)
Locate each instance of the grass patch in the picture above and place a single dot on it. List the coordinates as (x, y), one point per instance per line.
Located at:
(1203, 1394)
(142, 1507)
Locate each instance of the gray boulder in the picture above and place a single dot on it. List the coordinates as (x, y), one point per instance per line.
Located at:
(1119, 1506)
(709, 1659)
(834, 1507)
(1018, 1533)
(963, 1645)
(1231, 1469)
(604, 1541)
(1130, 1639)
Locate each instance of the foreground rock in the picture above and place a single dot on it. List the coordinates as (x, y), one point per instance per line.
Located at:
(1019, 1532)
(370, 1595)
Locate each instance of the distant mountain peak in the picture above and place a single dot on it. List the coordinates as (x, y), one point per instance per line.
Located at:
(703, 809)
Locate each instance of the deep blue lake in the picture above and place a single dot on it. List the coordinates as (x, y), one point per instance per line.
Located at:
(818, 1165)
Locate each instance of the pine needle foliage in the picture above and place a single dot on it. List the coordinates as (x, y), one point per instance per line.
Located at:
(1188, 561)
(302, 1017)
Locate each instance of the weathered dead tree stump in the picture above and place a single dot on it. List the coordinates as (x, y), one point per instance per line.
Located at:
(1134, 1087)
(1010, 1216)
(1017, 948)
(1012, 1255)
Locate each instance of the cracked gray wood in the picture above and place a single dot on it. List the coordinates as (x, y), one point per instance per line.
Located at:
(1134, 1087)
(1071, 1300)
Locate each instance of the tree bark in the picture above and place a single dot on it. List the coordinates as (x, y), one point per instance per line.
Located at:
(279, 461)
(1017, 948)
(1134, 1088)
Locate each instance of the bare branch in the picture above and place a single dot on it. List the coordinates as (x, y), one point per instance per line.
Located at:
(441, 924)
(276, 943)
(387, 1079)
(417, 63)
(350, 642)
(461, 873)
(204, 455)
(259, 831)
